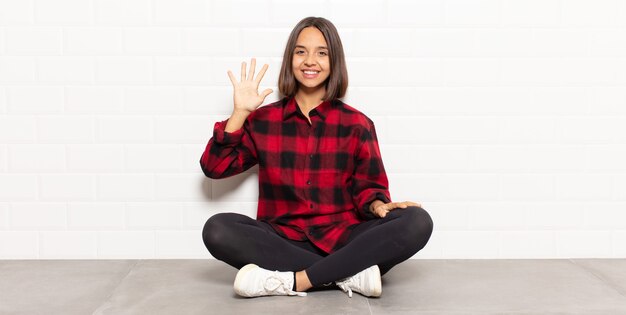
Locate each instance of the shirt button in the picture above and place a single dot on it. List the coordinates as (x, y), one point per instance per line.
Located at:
(311, 155)
(308, 182)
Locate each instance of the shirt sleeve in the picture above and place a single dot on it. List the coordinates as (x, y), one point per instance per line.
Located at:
(228, 153)
(369, 180)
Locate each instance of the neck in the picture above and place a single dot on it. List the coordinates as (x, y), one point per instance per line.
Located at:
(309, 99)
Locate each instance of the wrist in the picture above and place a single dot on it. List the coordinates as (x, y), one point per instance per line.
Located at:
(241, 113)
(375, 204)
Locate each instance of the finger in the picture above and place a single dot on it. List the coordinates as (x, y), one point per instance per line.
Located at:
(232, 78)
(252, 66)
(243, 71)
(261, 73)
(267, 92)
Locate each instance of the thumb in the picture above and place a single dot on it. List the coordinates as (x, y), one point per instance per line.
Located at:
(266, 92)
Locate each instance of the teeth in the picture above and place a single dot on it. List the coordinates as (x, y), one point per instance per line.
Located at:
(311, 72)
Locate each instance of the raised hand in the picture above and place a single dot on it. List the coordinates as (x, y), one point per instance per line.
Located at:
(246, 96)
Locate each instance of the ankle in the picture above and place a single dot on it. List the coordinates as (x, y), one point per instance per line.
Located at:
(301, 281)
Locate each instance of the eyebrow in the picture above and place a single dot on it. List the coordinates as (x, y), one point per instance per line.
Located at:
(322, 47)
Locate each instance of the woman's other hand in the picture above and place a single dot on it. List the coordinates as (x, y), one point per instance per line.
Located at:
(246, 95)
(380, 209)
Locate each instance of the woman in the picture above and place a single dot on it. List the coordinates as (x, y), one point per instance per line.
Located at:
(324, 215)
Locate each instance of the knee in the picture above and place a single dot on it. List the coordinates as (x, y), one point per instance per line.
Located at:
(418, 227)
(215, 232)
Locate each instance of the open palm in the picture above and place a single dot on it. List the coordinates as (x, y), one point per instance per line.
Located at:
(246, 95)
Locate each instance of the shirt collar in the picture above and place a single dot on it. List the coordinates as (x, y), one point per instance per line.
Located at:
(290, 108)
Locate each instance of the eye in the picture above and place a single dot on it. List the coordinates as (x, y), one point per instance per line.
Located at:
(299, 51)
(323, 53)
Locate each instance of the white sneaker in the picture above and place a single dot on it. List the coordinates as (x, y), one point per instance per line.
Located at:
(252, 280)
(366, 282)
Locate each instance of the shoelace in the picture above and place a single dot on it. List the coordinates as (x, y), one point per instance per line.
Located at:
(279, 282)
(345, 285)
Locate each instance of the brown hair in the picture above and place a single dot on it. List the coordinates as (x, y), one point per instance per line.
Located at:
(337, 82)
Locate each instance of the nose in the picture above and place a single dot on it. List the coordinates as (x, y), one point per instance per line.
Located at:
(310, 60)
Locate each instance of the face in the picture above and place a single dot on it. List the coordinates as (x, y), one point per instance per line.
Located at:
(311, 53)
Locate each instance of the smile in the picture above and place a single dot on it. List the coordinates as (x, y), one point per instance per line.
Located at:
(310, 74)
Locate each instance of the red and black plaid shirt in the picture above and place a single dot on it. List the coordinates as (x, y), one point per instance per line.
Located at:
(316, 179)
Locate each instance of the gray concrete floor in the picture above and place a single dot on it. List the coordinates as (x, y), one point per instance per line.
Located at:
(551, 286)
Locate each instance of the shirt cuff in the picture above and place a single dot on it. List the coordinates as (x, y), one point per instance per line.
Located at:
(222, 137)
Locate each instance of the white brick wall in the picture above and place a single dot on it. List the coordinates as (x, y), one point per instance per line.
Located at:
(505, 119)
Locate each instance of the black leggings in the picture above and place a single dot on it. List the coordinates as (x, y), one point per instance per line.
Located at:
(238, 240)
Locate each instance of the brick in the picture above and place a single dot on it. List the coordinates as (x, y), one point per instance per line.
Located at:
(529, 13)
(16, 12)
(39, 100)
(209, 100)
(94, 99)
(125, 187)
(583, 187)
(528, 244)
(18, 187)
(67, 187)
(124, 70)
(180, 244)
(240, 13)
(148, 100)
(579, 244)
(66, 129)
(4, 215)
(96, 216)
(261, 42)
(517, 187)
(57, 13)
(126, 244)
(554, 215)
(604, 215)
(123, 13)
(38, 215)
(36, 158)
(66, 70)
(383, 42)
(202, 41)
(124, 129)
(185, 12)
(183, 129)
(34, 40)
(468, 245)
(94, 40)
(4, 158)
(496, 216)
(183, 70)
(19, 244)
(17, 69)
(68, 245)
(442, 130)
(154, 215)
(182, 187)
(369, 10)
(576, 13)
(95, 158)
(411, 13)
(151, 41)
(478, 13)
(148, 158)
